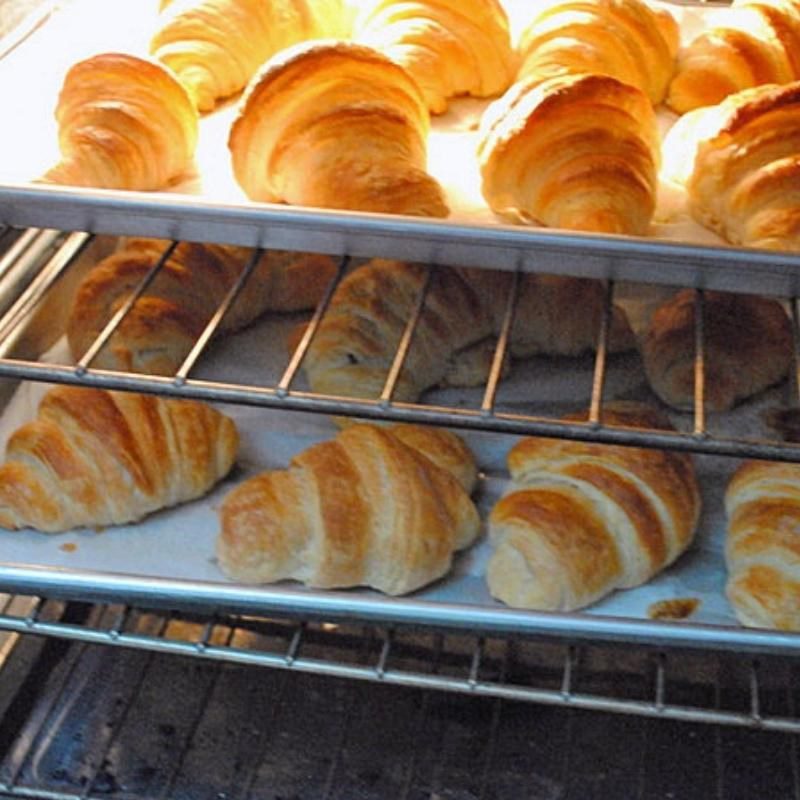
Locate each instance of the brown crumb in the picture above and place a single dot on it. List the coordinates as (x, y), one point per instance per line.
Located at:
(68, 547)
(673, 608)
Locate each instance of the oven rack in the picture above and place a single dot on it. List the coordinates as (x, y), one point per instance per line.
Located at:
(721, 689)
(40, 260)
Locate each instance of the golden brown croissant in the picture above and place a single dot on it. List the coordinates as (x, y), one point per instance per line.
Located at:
(95, 458)
(216, 46)
(583, 519)
(626, 39)
(747, 347)
(164, 323)
(336, 125)
(355, 344)
(743, 166)
(123, 123)
(762, 548)
(363, 509)
(754, 42)
(450, 47)
(574, 151)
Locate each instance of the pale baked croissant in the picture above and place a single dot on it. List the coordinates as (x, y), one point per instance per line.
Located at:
(584, 519)
(747, 348)
(450, 47)
(368, 508)
(754, 42)
(165, 322)
(216, 46)
(626, 39)
(574, 151)
(742, 166)
(124, 122)
(762, 549)
(355, 344)
(336, 125)
(93, 458)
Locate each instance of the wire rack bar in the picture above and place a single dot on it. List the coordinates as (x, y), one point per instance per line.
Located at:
(116, 320)
(474, 419)
(216, 320)
(383, 669)
(501, 350)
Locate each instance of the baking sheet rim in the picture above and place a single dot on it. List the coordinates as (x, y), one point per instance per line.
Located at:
(331, 605)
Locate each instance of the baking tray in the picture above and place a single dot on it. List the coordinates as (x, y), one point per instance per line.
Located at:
(168, 559)
(209, 206)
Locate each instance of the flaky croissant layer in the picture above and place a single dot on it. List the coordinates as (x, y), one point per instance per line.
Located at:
(575, 151)
(740, 164)
(626, 39)
(216, 46)
(94, 458)
(584, 519)
(378, 507)
(124, 122)
(762, 549)
(337, 125)
(755, 42)
(450, 47)
(162, 326)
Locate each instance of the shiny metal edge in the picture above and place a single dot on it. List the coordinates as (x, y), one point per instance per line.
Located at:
(207, 596)
(174, 216)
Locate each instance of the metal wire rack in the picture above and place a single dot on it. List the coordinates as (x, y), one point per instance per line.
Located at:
(283, 393)
(721, 689)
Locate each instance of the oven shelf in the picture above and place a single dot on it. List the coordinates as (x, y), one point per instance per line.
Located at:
(661, 683)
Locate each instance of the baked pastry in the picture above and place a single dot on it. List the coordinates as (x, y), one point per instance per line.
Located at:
(742, 158)
(337, 125)
(574, 151)
(753, 42)
(747, 343)
(626, 39)
(364, 509)
(160, 329)
(94, 458)
(124, 122)
(450, 47)
(583, 519)
(762, 549)
(216, 46)
(353, 349)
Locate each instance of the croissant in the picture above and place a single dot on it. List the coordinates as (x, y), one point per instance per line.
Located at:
(573, 151)
(762, 549)
(216, 46)
(747, 344)
(161, 328)
(583, 519)
(450, 47)
(336, 125)
(96, 458)
(626, 39)
(754, 42)
(364, 509)
(742, 174)
(353, 349)
(123, 123)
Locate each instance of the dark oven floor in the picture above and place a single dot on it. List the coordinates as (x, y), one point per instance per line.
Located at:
(92, 721)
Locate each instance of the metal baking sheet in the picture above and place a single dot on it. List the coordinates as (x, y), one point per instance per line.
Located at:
(209, 206)
(168, 559)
